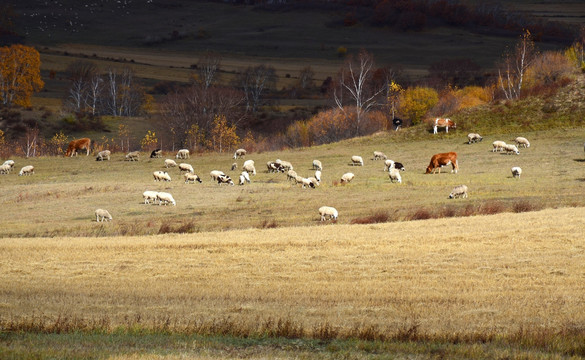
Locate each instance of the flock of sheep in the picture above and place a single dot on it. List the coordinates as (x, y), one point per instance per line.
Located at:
(8, 165)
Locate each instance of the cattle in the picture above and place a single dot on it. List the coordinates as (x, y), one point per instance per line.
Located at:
(79, 144)
(443, 159)
(443, 122)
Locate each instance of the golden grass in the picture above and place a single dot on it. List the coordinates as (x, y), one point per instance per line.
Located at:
(487, 274)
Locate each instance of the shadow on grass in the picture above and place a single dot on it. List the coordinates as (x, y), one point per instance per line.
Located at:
(579, 160)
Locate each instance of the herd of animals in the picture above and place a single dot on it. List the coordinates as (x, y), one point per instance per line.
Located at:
(438, 161)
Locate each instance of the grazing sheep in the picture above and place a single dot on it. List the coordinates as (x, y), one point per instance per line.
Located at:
(161, 176)
(103, 155)
(224, 179)
(234, 166)
(191, 178)
(298, 179)
(378, 155)
(186, 167)
(355, 160)
(133, 156)
(522, 142)
(317, 165)
(498, 145)
(249, 167)
(458, 191)
(291, 175)
(5, 169)
(102, 214)
(182, 154)
(511, 149)
(9, 163)
(318, 175)
(273, 166)
(307, 183)
(314, 181)
(27, 170)
(166, 198)
(394, 175)
(473, 138)
(240, 153)
(215, 174)
(156, 153)
(388, 164)
(328, 212)
(347, 177)
(516, 171)
(150, 195)
(285, 165)
(244, 178)
(170, 163)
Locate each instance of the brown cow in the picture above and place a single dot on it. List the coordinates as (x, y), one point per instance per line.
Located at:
(79, 144)
(443, 159)
(446, 123)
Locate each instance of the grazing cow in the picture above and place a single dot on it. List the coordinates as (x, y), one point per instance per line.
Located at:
(79, 144)
(443, 159)
(443, 122)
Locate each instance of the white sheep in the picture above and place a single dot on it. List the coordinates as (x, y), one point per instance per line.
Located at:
(458, 191)
(182, 154)
(234, 166)
(298, 179)
(161, 176)
(186, 167)
(150, 195)
(473, 138)
(5, 169)
(166, 198)
(388, 164)
(284, 164)
(225, 179)
(347, 177)
(394, 175)
(215, 174)
(291, 175)
(522, 142)
(516, 171)
(317, 165)
(355, 160)
(191, 178)
(27, 170)
(102, 214)
(511, 149)
(244, 178)
(9, 163)
(249, 167)
(498, 145)
(318, 175)
(328, 212)
(133, 156)
(170, 163)
(378, 155)
(307, 183)
(103, 155)
(240, 153)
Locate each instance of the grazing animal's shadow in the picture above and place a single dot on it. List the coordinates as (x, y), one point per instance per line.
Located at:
(579, 160)
(580, 179)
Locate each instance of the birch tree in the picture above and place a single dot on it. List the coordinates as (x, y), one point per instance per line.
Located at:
(512, 71)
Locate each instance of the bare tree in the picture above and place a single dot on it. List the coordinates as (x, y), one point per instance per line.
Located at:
(306, 77)
(80, 74)
(208, 67)
(121, 95)
(254, 80)
(355, 81)
(513, 68)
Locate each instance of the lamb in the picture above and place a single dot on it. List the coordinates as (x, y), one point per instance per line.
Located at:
(378, 155)
(27, 170)
(224, 179)
(291, 175)
(328, 211)
(133, 156)
(521, 141)
(498, 145)
(156, 153)
(170, 163)
(191, 178)
(516, 171)
(234, 166)
(511, 149)
(347, 178)
(473, 138)
(166, 198)
(102, 214)
(150, 195)
(394, 175)
(215, 174)
(240, 153)
(249, 167)
(285, 165)
(244, 178)
(103, 155)
(186, 167)
(317, 165)
(318, 175)
(182, 154)
(458, 191)
(5, 169)
(357, 160)
(161, 176)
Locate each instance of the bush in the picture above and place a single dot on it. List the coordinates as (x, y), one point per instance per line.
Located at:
(416, 102)
(380, 217)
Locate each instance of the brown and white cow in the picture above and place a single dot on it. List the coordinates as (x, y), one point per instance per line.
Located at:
(443, 159)
(79, 144)
(444, 122)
